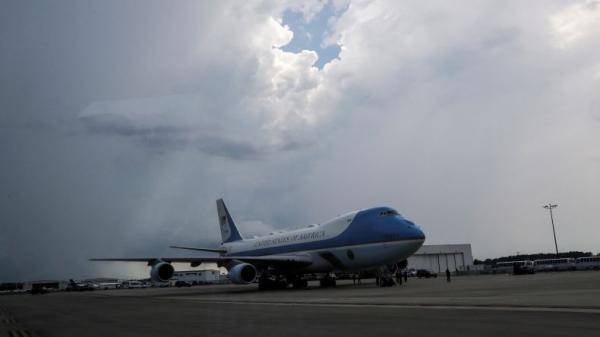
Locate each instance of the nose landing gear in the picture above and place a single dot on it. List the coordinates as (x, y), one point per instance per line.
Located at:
(385, 276)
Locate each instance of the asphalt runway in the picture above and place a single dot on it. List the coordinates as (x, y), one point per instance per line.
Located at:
(553, 304)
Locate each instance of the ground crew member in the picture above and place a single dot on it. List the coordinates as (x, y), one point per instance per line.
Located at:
(399, 277)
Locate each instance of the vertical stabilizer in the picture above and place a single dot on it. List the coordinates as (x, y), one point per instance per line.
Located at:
(229, 231)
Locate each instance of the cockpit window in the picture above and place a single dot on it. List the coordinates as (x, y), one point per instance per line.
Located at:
(389, 212)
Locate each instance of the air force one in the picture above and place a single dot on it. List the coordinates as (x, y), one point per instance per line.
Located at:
(355, 241)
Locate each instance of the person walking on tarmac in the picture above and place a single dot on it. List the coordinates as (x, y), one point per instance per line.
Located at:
(447, 275)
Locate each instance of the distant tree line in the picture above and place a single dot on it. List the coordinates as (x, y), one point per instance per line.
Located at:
(532, 257)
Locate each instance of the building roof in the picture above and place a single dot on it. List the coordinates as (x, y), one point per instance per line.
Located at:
(444, 249)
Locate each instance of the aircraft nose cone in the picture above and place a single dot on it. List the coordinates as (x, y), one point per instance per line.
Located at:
(415, 232)
(419, 233)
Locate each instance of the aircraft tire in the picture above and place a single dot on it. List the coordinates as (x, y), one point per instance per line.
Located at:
(299, 284)
(386, 282)
(265, 283)
(327, 282)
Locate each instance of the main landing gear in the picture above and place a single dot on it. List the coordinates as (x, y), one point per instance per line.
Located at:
(327, 281)
(298, 282)
(269, 282)
(266, 282)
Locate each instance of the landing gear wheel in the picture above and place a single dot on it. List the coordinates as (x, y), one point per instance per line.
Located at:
(327, 282)
(386, 282)
(268, 283)
(265, 283)
(299, 284)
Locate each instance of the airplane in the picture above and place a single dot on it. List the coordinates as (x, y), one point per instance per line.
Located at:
(355, 241)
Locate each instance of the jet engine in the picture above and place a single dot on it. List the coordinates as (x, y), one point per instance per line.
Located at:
(242, 273)
(161, 272)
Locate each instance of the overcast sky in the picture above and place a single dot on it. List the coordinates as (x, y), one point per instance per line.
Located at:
(121, 122)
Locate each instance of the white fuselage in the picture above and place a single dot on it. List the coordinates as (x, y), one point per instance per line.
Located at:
(328, 251)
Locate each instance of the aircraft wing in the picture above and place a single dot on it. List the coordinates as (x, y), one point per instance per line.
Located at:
(265, 259)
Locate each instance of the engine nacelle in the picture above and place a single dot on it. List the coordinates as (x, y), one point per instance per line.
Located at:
(161, 272)
(242, 273)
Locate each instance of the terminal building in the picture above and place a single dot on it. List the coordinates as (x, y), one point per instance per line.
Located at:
(438, 258)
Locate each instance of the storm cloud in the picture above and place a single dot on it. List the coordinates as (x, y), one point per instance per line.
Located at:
(122, 121)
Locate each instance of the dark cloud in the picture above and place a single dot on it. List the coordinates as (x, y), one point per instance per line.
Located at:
(169, 138)
(228, 148)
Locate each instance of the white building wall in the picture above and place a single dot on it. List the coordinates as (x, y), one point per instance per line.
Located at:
(439, 257)
(206, 276)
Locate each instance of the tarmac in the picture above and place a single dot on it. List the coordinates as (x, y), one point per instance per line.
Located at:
(544, 304)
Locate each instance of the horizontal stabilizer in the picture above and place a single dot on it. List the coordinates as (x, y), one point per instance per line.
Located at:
(213, 250)
(266, 259)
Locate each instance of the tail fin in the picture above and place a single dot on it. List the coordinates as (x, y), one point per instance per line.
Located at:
(229, 231)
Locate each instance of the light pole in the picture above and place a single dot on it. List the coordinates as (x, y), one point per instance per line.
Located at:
(550, 207)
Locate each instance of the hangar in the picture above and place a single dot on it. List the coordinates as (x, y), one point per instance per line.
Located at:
(45, 284)
(455, 257)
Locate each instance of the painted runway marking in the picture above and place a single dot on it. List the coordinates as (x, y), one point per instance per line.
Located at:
(19, 333)
(9, 320)
(413, 306)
